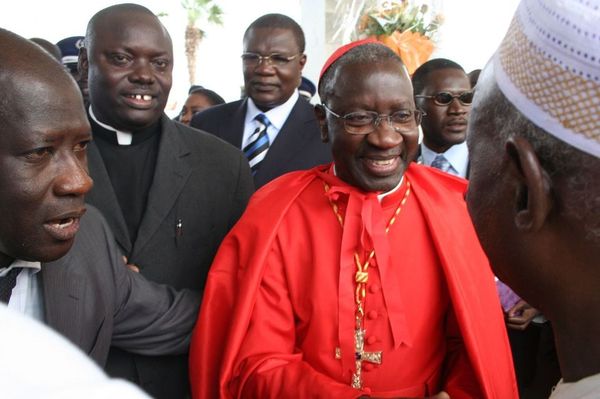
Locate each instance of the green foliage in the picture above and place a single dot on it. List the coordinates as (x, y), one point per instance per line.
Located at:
(398, 16)
(203, 10)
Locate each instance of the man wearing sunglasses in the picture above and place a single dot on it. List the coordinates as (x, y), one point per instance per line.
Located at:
(274, 126)
(443, 92)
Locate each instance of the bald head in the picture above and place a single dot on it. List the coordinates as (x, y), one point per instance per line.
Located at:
(31, 81)
(43, 170)
(109, 17)
(49, 47)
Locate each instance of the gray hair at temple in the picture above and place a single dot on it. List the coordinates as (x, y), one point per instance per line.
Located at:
(493, 112)
(368, 53)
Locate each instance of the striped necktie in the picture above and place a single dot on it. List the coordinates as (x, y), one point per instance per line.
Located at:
(440, 162)
(7, 283)
(258, 143)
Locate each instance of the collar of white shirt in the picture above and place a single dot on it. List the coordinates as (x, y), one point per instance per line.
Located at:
(123, 138)
(26, 295)
(457, 156)
(277, 116)
(586, 388)
(36, 266)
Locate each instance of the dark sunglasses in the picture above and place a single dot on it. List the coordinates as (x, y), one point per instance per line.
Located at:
(445, 98)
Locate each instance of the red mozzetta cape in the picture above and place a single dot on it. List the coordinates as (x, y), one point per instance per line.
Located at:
(237, 271)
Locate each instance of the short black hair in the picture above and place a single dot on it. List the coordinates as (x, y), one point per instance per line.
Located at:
(279, 21)
(213, 97)
(90, 32)
(372, 53)
(419, 78)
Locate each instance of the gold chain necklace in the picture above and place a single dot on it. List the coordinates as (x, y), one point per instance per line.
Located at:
(361, 278)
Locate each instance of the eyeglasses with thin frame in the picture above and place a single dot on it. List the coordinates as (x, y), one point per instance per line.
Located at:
(444, 98)
(365, 122)
(275, 59)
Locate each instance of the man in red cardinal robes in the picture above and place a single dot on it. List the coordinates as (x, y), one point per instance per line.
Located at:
(363, 278)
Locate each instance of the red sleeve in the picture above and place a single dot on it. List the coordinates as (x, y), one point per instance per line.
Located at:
(460, 379)
(268, 364)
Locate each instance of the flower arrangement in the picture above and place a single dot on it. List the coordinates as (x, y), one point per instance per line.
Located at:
(406, 28)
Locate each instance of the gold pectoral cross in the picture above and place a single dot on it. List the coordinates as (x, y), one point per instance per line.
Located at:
(361, 356)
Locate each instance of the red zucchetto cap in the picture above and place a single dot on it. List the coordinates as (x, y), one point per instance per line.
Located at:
(341, 51)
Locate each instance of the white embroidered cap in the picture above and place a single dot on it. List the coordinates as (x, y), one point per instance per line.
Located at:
(548, 67)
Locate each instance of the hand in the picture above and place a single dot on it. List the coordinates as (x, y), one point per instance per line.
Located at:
(520, 315)
(131, 266)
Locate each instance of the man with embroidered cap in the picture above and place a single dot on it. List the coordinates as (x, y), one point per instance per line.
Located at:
(275, 128)
(170, 193)
(359, 278)
(534, 193)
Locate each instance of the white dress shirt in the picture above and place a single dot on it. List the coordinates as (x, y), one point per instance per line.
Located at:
(457, 156)
(26, 296)
(586, 388)
(277, 116)
(39, 363)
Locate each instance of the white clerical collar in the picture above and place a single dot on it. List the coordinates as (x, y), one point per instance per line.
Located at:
(123, 138)
(34, 266)
(277, 115)
(457, 156)
(381, 196)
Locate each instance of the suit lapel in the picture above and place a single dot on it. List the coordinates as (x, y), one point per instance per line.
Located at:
(62, 293)
(171, 173)
(233, 132)
(290, 139)
(104, 198)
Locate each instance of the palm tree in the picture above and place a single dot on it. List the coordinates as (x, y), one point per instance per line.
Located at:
(198, 11)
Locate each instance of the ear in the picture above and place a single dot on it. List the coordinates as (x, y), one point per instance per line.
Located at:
(302, 61)
(534, 201)
(321, 115)
(82, 62)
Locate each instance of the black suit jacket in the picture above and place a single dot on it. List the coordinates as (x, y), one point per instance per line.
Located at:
(91, 298)
(200, 183)
(297, 146)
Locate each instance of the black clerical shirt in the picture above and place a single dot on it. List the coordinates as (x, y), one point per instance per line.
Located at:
(130, 168)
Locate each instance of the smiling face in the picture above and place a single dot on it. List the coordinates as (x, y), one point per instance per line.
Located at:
(43, 169)
(378, 160)
(444, 125)
(129, 63)
(269, 85)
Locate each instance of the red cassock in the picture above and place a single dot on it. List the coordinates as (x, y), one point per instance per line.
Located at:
(278, 315)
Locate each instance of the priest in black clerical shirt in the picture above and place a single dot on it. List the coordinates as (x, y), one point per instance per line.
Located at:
(170, 193)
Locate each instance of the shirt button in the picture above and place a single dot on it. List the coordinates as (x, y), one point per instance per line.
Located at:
(372, 314)
(366, 390)
(374, 288)
(368, 366)
(371, 340)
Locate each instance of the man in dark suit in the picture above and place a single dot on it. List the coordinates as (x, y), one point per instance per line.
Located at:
(58, 263)
(169, 193)
(443, 92)
(273, 60)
